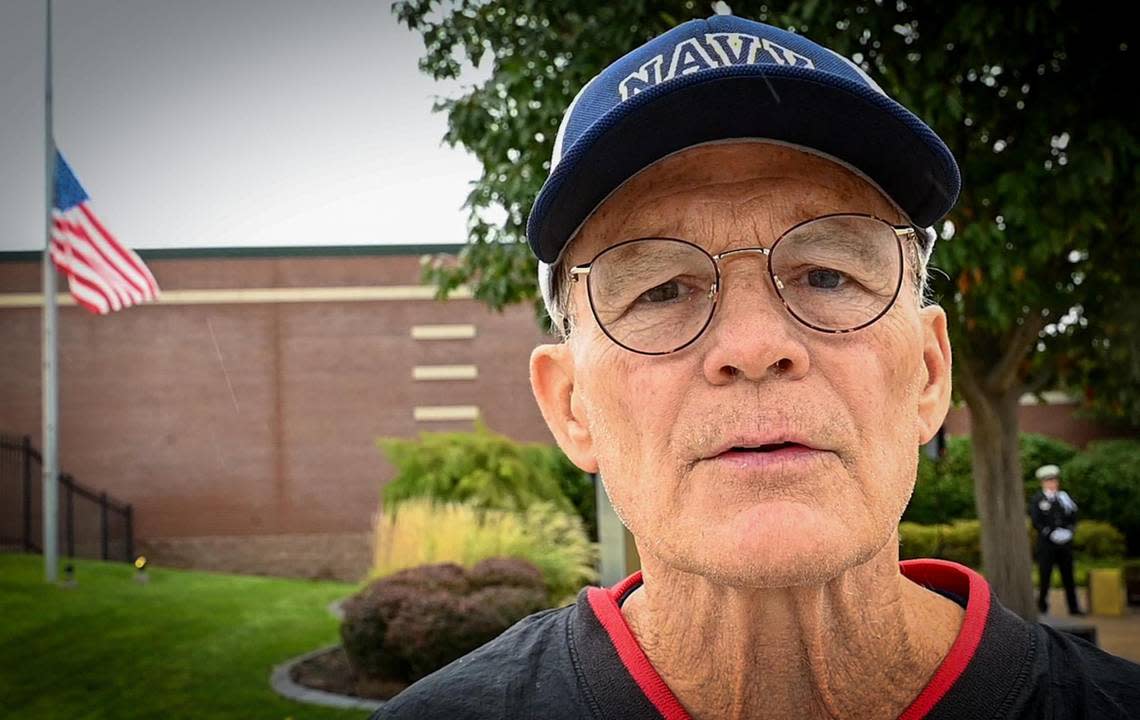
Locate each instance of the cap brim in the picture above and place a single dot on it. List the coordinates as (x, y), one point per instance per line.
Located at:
(826, 113)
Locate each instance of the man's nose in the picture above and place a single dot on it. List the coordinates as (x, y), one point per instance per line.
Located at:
(753, 335)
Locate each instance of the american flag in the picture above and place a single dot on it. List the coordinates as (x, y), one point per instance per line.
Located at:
(103, 274)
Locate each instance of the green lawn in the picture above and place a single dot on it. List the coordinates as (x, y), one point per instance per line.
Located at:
(185, 645)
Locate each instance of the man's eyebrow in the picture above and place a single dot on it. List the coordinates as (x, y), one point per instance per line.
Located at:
(634, 265)
(637, 264)
(842, 239)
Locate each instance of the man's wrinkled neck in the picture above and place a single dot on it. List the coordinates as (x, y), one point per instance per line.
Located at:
(861, 645)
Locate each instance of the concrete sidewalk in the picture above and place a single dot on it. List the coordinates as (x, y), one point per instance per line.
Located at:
(1117, 635)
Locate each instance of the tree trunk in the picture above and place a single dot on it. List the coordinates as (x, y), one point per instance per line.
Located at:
(1000, 498)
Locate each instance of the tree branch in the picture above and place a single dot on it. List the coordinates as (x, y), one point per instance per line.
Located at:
(967, 383)
(1003, 376)
(1041, 380)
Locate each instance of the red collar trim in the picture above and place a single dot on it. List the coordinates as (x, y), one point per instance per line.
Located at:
(940, 574)
(966, 583)
(605, 607)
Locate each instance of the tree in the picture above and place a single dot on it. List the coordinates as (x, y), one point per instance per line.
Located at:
(1107, 371)
(1032, 101)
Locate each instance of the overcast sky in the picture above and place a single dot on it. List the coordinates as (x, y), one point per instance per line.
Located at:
(222, 123)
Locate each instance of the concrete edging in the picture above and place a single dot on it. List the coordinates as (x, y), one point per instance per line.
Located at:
(281, 681)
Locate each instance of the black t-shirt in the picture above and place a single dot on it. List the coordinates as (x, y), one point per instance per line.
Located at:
(582, 661)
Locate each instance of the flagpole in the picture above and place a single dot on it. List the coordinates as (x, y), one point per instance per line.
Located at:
(50, 354)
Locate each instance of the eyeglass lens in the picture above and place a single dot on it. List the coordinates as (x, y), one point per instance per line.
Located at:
(833, 274)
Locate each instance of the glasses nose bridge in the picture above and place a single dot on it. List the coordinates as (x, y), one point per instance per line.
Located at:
(742, 251)
(738, 253)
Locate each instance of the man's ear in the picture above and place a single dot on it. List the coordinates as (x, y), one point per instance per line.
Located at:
(552, 380)
(934, 397)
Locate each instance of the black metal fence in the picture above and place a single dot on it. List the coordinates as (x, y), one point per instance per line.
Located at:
(91, 524)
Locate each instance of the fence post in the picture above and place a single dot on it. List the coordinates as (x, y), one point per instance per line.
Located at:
(69, 484)
(130, 521)
(27, 447)
(104, 524)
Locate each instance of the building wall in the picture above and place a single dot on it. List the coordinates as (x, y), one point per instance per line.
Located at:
(240, 415)
(220, 419)
(1056, 419)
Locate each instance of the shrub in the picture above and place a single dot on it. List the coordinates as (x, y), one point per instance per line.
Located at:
(577, 486)
(447, 577)
(431, 630)
(1097, 540)
(961, 541)
(944, 489)
(556, 543)
(488, 471)
(502, 606)
(414, 622)
(1105, 482)
(941, 494)
(422, 532)
(364, 628)
(918, 541)
(509, 572)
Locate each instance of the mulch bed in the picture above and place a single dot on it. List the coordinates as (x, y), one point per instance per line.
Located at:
(331, 671)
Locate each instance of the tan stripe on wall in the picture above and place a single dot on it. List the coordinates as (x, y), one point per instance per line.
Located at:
(425, 413)
(370, 293)
(445, 372)
(443, 332)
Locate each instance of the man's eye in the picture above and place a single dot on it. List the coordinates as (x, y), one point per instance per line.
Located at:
(665, 292)
(824, 278)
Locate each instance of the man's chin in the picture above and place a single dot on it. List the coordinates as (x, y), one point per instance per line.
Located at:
(779, 544)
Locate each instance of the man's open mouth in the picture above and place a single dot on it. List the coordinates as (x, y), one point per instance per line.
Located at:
(769, 447)
(765, 454)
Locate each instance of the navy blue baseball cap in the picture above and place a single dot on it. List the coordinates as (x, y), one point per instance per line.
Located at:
(724, 78)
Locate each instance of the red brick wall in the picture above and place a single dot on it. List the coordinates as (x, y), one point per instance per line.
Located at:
(257, 419)
(244, 434)
(328, 556)
(1059, 421)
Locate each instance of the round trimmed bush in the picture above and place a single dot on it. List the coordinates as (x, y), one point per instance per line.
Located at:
(507, 571)
(364, 629)
(413, 622)
(448, 577)
(490, 611)
(430, 631)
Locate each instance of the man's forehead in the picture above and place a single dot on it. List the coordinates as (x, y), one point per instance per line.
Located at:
(755, 190)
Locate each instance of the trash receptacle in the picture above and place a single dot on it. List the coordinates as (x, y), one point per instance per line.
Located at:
(1106, 591)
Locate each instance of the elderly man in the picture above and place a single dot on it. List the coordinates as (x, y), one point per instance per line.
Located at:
(1054, 516)
(731, 240)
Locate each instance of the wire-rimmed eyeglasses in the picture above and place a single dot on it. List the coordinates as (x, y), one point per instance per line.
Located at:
(835, 274)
